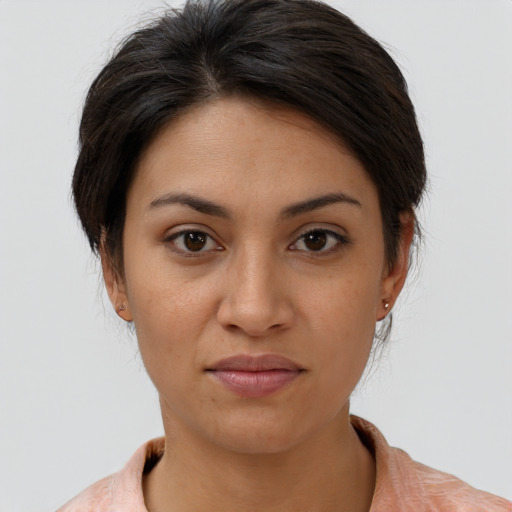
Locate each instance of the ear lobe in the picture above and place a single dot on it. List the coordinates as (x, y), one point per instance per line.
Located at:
(394, 278)
(115, 287)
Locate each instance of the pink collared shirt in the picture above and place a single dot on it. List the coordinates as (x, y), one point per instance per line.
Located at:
(401, 483)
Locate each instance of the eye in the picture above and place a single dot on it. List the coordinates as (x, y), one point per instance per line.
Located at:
(319, 240)
(193, 241)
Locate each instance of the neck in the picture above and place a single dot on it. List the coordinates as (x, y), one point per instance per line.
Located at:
(332, 471)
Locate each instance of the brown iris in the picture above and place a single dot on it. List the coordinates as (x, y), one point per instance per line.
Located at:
(315, 240)
(194, 240)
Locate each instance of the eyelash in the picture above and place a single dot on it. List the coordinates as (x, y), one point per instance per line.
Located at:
(339, 242)
(189, 253)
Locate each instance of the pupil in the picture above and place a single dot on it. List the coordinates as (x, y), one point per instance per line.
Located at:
(316, 240)
(195, 241)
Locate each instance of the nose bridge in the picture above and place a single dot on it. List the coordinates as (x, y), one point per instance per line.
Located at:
(254, 299)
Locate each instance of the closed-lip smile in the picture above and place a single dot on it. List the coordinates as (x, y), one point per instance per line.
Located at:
(255, 376)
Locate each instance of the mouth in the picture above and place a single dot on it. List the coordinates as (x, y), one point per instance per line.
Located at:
(255, 376)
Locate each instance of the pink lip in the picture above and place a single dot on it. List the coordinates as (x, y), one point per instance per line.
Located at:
(252, 377)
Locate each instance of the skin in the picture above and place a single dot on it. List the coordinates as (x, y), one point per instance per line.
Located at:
(256, 286)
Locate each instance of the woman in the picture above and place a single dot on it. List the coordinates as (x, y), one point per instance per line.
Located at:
(248, 174)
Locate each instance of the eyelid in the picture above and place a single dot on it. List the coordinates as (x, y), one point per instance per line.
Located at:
(187, 228)
(175, 233)
(342, 241)
(334, 229)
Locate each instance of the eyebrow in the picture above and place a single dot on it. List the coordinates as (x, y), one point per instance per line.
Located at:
(318, 202)
(209, 208)
(196, 203)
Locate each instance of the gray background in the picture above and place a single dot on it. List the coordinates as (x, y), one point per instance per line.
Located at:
(74, 399)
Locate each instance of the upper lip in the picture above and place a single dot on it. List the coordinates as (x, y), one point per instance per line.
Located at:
(259, 363)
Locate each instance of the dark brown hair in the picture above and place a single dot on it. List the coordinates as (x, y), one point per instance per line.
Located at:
(299, 53)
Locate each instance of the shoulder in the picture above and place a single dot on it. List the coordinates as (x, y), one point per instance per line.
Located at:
(404, 484)
(122, 491)
(443, 491)
(96, 497)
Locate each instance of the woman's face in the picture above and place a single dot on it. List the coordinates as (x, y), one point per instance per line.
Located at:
(254, 272)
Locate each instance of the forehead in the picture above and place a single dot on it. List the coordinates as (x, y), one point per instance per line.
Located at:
(237, 148)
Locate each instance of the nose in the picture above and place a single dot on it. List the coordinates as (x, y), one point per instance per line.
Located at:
(255, 299)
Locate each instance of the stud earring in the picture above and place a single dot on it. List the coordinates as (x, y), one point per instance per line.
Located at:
(120, 308)
(385, 305)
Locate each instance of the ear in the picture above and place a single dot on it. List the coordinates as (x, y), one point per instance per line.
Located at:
(115, 286)
(393, 278)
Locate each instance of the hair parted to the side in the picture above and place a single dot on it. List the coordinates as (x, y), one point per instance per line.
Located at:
(300, 53)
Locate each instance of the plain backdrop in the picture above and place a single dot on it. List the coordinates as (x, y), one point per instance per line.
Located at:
(74, 398)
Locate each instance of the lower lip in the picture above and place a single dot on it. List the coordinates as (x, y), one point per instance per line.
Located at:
(255, 384)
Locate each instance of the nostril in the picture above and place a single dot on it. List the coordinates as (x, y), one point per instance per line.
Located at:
(253, 331)
(255, 314)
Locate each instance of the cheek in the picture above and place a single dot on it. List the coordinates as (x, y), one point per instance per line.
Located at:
(167, 331)
(342, 319)
(168, 316)
(345, 304)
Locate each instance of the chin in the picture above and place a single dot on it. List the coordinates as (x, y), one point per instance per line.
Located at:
(257, 442)
(263, 434)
